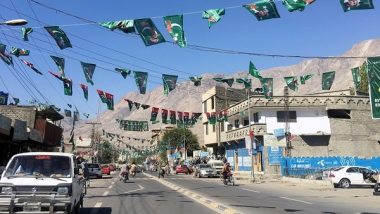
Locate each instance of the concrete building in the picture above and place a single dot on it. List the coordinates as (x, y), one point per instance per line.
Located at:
(332, 124)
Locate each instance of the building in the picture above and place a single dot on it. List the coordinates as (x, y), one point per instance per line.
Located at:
(333, 124)
(28, 128)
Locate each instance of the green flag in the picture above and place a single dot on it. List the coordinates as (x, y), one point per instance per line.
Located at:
(174, 25)
(19, 52)
(124, 72)
(356, 77)
(124, 25)
(253, 71)
(195, 117)
(60, 62)
(247, 82)
(293, 5)
(4, 56)
(169, 82)
(173, 117)
(327, 80)
(67, 113)
(59, 36)
(196, 80)
(263, 9)
(25, 31)
(130, 104)
(88, 70)
(141, 79)
(164, 116)
(102, 96)
(68, 86)
(85, 90)
(211, 117)
(109, 98)
(153, 115)
(213, 16)
(305, 77)
(349, 5)
(373, 70)
(267, 85)
(292, 82)
(86, 115)
(148, 32)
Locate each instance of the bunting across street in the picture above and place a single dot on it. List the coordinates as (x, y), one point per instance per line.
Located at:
(88, 70)
(263, 9)
(59, 36)
(30, 65)
(174, 25)
(148, 32)
(25, 31)
(19, 52)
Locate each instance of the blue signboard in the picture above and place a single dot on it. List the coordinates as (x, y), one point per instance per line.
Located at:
(274, 155)
(279, 132)
(203, 154)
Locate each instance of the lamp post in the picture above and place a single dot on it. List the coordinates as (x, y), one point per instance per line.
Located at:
(14, 22)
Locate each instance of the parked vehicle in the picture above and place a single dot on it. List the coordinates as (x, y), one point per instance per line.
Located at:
(181, 169)
(204, 170)
(94, 169)
(347, 176)
(217, 166)
(36, 182)
(112, 167)
(106, 170)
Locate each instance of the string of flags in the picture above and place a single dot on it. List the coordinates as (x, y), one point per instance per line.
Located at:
(175, 117)
(132, 125)
(213, 117)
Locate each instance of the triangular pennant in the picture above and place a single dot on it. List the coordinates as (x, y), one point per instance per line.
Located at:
(292, 82)
(67, 113)
(130, 104)
(195, 117)
(245, 81)
(229, 81)
(4, 56)
(299, 5)
(25, 31)
(141, 79)
(110, 104)
(327, 80)
(124, 72)
(263, 9)
(356, 77)
(137, 105)
(124, 25)
(86, 115)
(267, 85)
(213, 16)
(59, 36)
(253, 71)
(68, 86)
(19, 52)
(144, 106)
(196, 80)
(30, 65)
(60, 62)
(169, 82)
(148, 32)
(102, 96)
(305, 77)
(88, 70)
(174, 25)
(85, 90)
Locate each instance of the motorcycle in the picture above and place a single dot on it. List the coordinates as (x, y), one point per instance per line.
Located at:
(124, 177)
(133, 173)
(229, 180)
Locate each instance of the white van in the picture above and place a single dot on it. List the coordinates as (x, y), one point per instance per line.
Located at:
(217, 166)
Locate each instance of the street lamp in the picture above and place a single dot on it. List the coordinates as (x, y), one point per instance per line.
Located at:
(15, 22)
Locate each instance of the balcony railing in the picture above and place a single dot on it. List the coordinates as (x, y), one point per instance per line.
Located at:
(239, 133)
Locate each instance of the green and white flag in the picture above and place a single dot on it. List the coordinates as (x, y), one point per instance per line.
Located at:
(124, 72)
(267, 85)
(327, 80)
(59, 36)
(196, 80)
(19, 52)
(305, 77)
(124, 25)
(253, 71)
(4, 56)
(349, 5)
(229, 81)
(174, 25)
(68, 86)
(293, 5)
(247, 82)
(213, 16)
(169, 82)
(263, 10)
(60, 62)
(88, 70)
(148, 32)
(25, 31)
(374, 85)
(292, 82)
(141, 79)
(356, 77)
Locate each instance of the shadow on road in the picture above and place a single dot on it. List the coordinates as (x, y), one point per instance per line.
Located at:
(102, 210)
(251, 206)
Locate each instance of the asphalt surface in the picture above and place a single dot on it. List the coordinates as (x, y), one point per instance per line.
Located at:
(257, 198)
(139, 195)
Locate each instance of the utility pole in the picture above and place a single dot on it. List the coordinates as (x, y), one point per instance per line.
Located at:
(94, 145)
(286, 119)
(249, 132)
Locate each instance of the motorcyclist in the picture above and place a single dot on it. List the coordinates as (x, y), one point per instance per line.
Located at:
(124, 172)
(133, 169)
(226, 170)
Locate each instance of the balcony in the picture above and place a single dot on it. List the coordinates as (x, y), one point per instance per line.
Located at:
(240, 133)
(51, 134)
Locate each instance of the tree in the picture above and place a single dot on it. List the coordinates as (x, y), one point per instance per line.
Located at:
(363, 85)
(108, 152)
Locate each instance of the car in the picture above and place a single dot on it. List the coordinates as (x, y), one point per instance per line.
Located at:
(346, 176)
(112, 166)
(106, 170)
(182, 169)
(204, 170)
(217, 166)
(94, 169)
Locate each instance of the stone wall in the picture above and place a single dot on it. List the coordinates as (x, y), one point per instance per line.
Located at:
(24, 113)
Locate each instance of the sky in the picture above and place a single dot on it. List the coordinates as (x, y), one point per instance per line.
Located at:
(322, 29)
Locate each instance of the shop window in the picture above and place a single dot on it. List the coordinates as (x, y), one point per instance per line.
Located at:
(292, 117)
(237, 123)
(256, 117)
(339, 113)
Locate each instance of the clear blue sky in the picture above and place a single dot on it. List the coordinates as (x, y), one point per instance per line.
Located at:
(321, 29)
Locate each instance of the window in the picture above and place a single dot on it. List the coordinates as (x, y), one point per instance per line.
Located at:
(205, 106)
(292, 117)
(206, 126)
(256, 117)
(237, 123)
(213, 128)
(229, 127)
(212, 102)
(339, 113)
(222, 126)
(246, 122)
(353, 170)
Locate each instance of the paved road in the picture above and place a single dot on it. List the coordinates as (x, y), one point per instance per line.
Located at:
(140, 195)
(278, 198)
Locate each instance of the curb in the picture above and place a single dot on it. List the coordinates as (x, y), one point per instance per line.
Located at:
(215, 206)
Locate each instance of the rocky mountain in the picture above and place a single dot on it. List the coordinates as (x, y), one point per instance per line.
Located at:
(187, 97)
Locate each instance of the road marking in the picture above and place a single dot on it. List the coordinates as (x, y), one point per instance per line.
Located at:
(291, 199)
(97, 205)
(106, 193)
(113, 182)
(140, 188)
(250, 190)
(110, 187)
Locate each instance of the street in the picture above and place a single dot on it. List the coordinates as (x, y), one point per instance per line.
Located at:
(145, 193)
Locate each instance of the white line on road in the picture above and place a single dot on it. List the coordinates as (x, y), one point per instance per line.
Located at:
(291, 199)
(113, 182)
(140, 188)
(97, 205)
(250, 190)
(106, 193)
(110, 187)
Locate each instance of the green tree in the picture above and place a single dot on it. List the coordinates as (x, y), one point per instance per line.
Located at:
(109, 152)
(363, 85)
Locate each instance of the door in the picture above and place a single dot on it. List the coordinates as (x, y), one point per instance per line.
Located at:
(355, 175)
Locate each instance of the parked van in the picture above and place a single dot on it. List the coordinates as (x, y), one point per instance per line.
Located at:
(217, 166)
